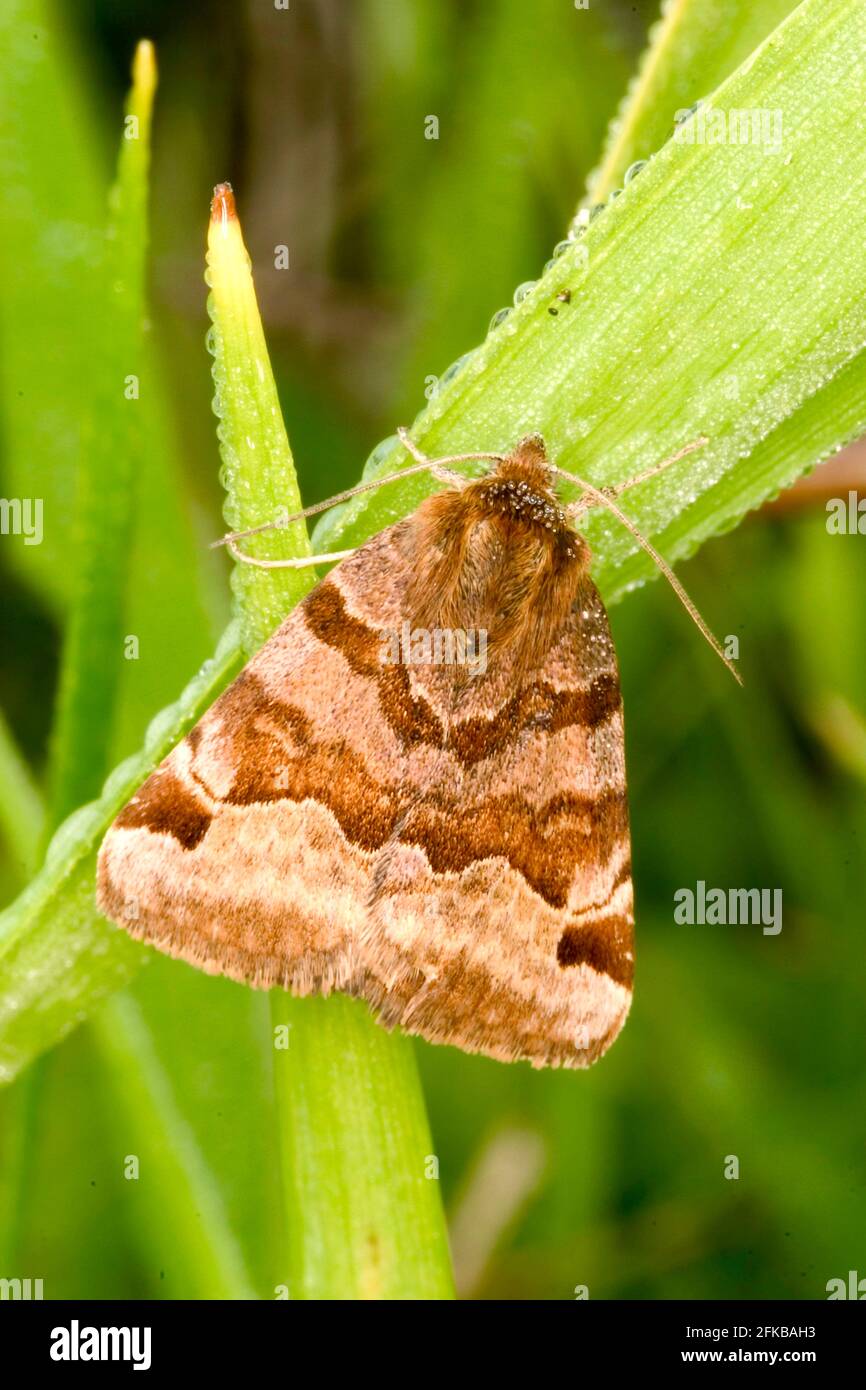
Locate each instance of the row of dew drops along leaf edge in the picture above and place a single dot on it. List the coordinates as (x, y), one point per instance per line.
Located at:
(575, 232)
(577, 229)
(386, 446)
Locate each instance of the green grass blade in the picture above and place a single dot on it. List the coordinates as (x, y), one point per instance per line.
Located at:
(693, 48)
(819, 427)
(178, 1207)
(363, 1210)
(55, 176)
(362, 1219)
(50, 254)
(22, 814)
(110, 463)
(257, 468)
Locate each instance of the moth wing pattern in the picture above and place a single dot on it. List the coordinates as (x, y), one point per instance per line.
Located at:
(249, 851)
(502, 915)
(339, 822)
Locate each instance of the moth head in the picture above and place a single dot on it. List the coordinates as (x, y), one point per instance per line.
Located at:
(531, 450)
(527, 462)
(520, 489)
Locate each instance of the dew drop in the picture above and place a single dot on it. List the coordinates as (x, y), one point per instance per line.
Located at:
(75, 827)
(450, 372)
(117, 780)
(379, 454)
(159, 729)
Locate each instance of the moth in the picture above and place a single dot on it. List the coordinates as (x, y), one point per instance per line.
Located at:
(449, 843)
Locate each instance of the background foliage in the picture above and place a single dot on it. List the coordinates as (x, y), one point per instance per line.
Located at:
(401, 249)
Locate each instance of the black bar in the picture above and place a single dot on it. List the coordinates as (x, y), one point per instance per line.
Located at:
(247, 1338)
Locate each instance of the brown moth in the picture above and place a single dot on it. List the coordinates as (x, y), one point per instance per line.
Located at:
(447, 840)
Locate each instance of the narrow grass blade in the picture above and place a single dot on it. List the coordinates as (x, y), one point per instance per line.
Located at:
(257, 469)
(51, 252)
(110, 462)
(363, 1221)
(176, 1197)
(692, 48)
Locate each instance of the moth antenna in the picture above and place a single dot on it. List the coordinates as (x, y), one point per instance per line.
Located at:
(434, 466)
(412, 447)
(603, 499)
(657, 467)
(298, 563)
(329, 502)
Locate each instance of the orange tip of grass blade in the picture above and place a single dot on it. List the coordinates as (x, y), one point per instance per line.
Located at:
(222, 208)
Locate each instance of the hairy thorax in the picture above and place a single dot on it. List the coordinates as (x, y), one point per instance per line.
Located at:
(499, 555)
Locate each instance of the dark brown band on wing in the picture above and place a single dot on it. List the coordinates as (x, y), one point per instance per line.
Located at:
(413, 721)
(277, 757)
(605, 945)
(544, 844)
(166, 804)
(473, 740)
(279, 753)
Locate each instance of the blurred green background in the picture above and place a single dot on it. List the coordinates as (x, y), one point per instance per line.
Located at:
(401, 249)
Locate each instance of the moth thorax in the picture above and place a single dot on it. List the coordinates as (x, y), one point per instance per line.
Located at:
(499, 556)
(517, 583)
